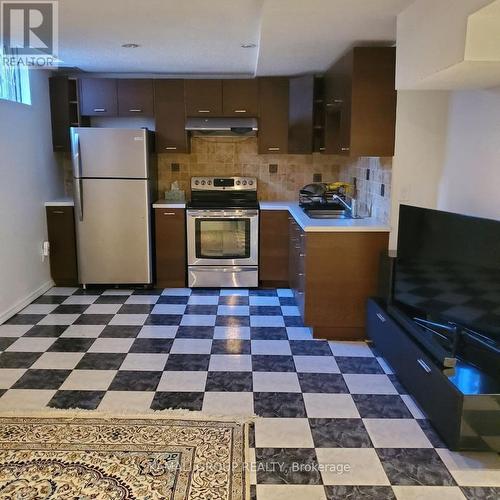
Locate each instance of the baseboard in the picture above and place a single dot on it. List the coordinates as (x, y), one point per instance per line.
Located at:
(5, 315)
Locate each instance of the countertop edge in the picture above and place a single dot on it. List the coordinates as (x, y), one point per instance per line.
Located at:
(168, 204)
(62, 202)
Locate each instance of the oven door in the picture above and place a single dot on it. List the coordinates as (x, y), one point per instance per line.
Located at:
(223, 237)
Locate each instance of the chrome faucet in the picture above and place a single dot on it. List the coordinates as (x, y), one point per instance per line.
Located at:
(342, 201)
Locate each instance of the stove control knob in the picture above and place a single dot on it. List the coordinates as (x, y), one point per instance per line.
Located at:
(244, 183)
(196, 182)
(209, 182)
(202, 183)
(250, 183)
(238, 183)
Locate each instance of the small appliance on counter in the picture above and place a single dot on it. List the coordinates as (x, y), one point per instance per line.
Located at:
(328, 201)
(322, 194)
(175, 194)
(223, 232)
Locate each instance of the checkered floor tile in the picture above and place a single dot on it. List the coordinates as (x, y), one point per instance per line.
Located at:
(335, 423)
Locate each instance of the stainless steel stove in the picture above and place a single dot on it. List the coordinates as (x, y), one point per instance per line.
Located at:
(223, 232)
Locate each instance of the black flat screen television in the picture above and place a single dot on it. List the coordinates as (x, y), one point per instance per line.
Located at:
(447, 271)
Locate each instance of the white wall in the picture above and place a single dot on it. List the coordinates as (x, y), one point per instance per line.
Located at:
(432, 38)
(470, 182)
(29, 176)
(421, 134)
(447, 153)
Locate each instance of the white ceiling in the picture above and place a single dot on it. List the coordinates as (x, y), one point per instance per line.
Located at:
(203, 37)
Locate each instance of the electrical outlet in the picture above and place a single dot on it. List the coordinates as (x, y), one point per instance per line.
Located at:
(45, 250)
(382, 189)
(367, 174)
(405, 193)
(317, 178)
(273, 168)
(175, 167)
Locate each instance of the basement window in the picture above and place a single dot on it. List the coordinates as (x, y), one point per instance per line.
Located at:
(14, 83)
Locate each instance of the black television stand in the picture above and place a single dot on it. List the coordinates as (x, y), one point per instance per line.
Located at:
(463, 403)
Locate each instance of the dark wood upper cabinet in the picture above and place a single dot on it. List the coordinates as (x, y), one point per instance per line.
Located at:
(59, 89)
(203, 97)
(135, 97)
(64, 111)
(98, 97)
(301, 115)
(273, 113)
(360, 97)
(170, 117)
(240, 97)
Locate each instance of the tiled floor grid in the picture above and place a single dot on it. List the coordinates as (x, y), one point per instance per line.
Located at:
(335, 424)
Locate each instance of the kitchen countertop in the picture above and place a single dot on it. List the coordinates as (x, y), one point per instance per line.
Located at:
(305, 222)
(60, 202)
(169, 204)
(325, 225)
(69, 202)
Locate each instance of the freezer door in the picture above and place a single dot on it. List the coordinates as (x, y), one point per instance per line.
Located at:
(110, 152)
(113, 231)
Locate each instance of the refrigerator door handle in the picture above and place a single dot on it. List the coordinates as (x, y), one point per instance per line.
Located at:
(78, 194)
(76, 152)
(77, 172)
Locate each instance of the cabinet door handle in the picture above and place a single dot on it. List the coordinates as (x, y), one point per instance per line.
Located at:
(240, 110)
(380, 317)
(171, 148)
(302, 254)
(203, 111)
(345, 149)
(99, 110)
(273, 149)
(321, 149)
(58, 212)
(424, 365)
(301, 274)
(135, 110)
(168, 213)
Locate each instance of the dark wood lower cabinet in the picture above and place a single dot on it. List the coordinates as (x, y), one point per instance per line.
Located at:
(62, 240)
(273, 265)
(170, 235)
(332, 274)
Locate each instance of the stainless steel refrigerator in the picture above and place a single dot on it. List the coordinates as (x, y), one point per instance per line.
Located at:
(113, 185)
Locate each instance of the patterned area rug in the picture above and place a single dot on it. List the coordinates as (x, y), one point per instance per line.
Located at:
(121, 458)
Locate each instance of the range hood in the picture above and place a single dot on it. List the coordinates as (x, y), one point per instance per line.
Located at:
(222, 127)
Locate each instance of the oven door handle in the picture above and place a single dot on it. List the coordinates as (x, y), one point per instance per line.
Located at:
(224, 269)
(226, 214)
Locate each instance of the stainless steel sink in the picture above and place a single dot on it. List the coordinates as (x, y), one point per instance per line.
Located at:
(327, 214)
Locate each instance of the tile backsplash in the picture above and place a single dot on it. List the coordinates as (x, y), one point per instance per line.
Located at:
(373, 184)
(279, 176)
